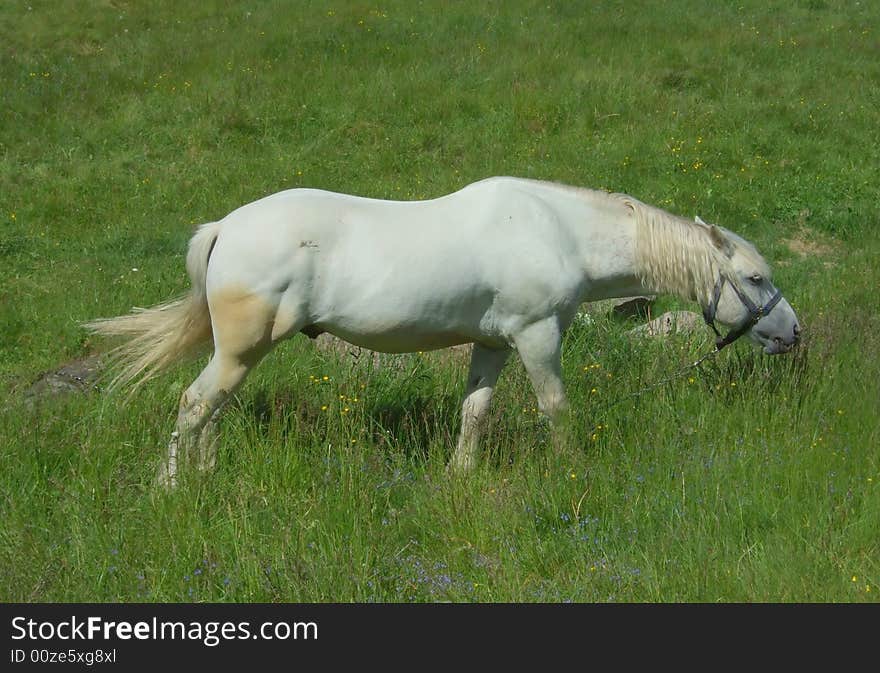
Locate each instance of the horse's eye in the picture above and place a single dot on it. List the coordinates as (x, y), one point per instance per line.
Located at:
(756, 279)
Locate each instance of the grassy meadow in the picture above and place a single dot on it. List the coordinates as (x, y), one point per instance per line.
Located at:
(127, 123)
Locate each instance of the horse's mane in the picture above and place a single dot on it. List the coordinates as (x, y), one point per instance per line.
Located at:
(675, 255)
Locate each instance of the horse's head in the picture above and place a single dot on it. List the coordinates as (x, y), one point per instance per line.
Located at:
(745, 299)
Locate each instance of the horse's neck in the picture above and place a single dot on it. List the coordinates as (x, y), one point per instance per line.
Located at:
(606, 236)
(609, 233)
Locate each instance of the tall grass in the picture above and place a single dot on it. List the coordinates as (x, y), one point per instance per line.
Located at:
(748, 479)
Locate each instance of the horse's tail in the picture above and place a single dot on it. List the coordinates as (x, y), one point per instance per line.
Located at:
(157, 337)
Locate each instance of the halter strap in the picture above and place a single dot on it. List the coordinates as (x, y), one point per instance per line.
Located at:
(755, 312)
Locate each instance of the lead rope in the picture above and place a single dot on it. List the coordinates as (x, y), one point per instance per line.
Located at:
(665, 381)
(755, 314)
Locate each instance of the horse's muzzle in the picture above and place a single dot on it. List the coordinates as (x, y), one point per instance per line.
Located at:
(779, 345)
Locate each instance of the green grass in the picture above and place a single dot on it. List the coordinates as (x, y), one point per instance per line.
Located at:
(753, 479)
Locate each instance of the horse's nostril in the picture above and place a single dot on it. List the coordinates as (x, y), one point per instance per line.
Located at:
(797, 331)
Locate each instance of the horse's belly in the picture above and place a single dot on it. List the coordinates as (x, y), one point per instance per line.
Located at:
(397, 340)
(408, 312)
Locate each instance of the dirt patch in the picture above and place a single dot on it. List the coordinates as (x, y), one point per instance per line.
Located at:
(807, 243)
(77, 376)
(805, 247)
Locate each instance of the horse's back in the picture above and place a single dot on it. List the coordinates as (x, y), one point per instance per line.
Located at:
(302, 205)
(477, 219)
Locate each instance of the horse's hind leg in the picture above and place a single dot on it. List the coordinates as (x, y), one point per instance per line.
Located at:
(245, 326)
(208, 440)
(198, 404)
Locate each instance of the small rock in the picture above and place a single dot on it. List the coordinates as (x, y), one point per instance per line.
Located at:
(673, 322)
(327, 343)
(622, 306)
(599, 307)
(633, 307)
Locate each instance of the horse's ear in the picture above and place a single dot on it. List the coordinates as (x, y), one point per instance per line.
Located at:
(720, 241)
(699, 220)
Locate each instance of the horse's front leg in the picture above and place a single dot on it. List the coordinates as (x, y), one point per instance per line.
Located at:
(486, 365)
(540, 347)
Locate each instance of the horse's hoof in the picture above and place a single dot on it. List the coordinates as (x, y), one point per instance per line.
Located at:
(458, 467)
(167, 475)
(166, 478)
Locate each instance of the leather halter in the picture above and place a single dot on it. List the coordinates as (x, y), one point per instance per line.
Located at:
(755, 312)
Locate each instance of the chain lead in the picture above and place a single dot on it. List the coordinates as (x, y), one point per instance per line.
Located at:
(669, 379)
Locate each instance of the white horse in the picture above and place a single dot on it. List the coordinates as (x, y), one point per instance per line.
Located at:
(503, 263)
